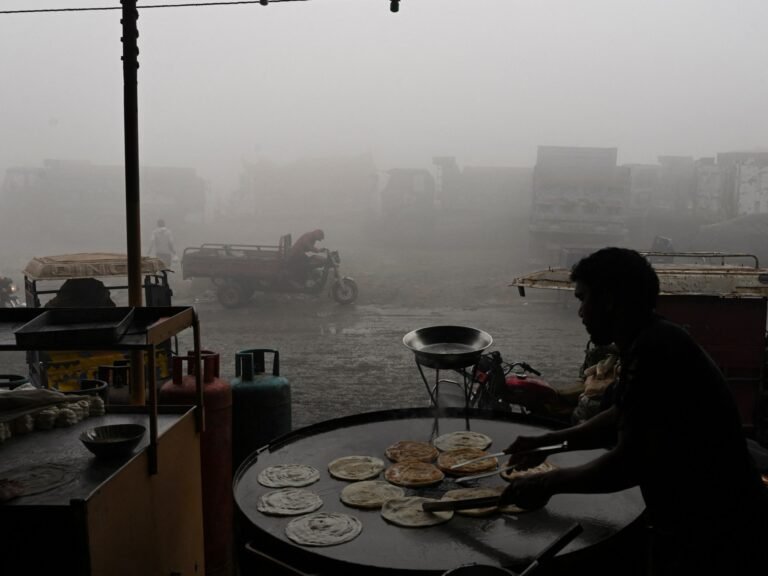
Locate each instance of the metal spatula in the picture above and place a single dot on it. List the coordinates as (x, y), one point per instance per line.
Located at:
(552, 449)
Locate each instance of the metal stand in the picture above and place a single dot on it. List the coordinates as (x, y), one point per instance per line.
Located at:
(465, 384)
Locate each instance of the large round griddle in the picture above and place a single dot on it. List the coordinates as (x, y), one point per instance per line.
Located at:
(447, 347)
(383, 548)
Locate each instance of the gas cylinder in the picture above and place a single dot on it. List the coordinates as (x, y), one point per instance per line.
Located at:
(215, 453)
(261, 402)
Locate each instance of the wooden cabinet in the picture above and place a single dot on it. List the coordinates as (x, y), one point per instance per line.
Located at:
(134, 515)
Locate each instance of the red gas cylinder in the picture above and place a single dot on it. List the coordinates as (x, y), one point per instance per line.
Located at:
(215, 453)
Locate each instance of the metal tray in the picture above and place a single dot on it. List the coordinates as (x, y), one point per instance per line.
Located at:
(75, 326)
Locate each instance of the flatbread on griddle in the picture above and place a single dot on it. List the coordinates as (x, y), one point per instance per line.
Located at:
(323, 529)
(407, 512)
(413, 474)
(541, 468)
(467, 493)
(411, 450)
(452, 457)
(462, 439)
(288, 476)
(356, 467)
(289, 502)
(370, 494)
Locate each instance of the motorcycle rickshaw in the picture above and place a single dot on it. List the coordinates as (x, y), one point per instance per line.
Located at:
(88, 280)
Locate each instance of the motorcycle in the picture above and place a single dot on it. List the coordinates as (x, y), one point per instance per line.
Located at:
(342, 289)
(8, 297)
(517, 387)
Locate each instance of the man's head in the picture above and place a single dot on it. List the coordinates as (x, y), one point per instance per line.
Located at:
(161, 223)
(617, 288)
(319, 234)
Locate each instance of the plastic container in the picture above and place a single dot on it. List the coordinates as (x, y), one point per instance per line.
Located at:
(261, 402)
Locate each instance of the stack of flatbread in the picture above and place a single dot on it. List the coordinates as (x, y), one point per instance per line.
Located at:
(407, 512)
(288, 476)
(448, 459)
(289, 502)
(467, 493)
(462, 439)
(369, 494)
(323, 529)
(411, 450)
(413, 474)
(512, 474)
(356, 468)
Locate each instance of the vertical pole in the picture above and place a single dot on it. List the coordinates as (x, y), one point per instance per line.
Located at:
(129, 21)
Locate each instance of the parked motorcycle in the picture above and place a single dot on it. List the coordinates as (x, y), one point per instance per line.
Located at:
(518, 387)
(8, 297)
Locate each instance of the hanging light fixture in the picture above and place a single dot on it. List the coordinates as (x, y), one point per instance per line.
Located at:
(394, 5)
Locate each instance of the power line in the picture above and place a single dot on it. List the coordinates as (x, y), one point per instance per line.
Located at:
(187, 5)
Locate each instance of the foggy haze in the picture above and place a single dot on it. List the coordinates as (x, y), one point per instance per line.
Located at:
(485, 81)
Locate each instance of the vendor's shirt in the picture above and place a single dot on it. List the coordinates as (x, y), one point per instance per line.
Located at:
(683, 433)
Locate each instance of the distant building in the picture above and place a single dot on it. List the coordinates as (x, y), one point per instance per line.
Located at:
(503, 191)
(644, 182)
(745, 181)
(677, 184)
(710, 201)
(318, 188)
(751, 189)
(407, 192)
(580, 199)
(84, 203)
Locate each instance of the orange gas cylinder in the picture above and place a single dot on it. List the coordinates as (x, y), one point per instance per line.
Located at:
(215, 453)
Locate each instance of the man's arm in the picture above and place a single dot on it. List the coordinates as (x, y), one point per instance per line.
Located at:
(597, 432)
(610, 472)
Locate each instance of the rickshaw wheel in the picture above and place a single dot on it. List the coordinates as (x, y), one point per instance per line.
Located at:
(345, 291)
(230, 295)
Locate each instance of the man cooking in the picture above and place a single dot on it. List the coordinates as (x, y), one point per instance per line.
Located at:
(674, 431)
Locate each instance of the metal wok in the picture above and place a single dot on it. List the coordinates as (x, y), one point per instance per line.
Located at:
(447, 347)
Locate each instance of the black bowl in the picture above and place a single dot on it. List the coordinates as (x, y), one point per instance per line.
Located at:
(113, 440)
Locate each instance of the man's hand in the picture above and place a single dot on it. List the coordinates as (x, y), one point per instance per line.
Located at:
(523, 443)
(528, 492)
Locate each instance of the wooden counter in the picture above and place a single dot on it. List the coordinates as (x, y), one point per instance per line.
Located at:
(106, 517)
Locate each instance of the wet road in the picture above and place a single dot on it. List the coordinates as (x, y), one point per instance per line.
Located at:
(348, 359)
(344, 360)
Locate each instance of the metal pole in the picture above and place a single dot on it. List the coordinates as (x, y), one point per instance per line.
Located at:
(130, 16)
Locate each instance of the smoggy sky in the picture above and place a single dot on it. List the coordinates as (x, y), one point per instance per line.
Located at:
(483, 80)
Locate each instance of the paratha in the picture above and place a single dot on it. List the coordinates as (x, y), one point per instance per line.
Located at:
(289, 502)
(323, 529)
(413, 474)
(369, 494)
(541, 468)
(356, 467)
(462, 439)
(466, 493)
(288, 476)
(411, 450)
(453, 457)
(407, 512)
